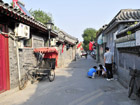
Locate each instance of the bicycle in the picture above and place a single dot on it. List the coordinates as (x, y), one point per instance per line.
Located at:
(28, 76)
(133, 84)
(114, 68)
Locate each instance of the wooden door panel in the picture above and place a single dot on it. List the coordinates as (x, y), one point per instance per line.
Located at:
(2, 59)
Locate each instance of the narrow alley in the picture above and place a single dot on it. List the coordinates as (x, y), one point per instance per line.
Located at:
(71, 87)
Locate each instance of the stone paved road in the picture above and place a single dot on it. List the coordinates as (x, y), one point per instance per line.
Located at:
(72, 87)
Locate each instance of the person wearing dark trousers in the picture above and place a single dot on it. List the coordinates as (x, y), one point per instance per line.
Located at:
(108, 59)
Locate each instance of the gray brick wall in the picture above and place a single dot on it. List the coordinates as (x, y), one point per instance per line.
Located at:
(26, 57)
(127, 60)
(13, 64)
(66, 57)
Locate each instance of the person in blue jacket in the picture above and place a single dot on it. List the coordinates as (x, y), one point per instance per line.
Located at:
(91, 72)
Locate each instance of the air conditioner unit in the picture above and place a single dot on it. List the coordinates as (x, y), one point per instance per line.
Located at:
(22, 31)
(53, 42)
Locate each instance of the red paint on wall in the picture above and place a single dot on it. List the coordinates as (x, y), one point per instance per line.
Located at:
(4, 61)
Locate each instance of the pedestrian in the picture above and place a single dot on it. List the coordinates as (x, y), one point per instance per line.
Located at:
(92, 71)
(108, 59)
(101, 70)
(86, 55)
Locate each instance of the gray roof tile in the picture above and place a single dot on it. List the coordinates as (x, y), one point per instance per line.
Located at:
(17, 14)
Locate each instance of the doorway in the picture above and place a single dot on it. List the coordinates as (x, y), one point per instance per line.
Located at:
(4, 61)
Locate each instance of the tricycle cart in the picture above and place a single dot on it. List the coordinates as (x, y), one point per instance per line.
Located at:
(47, 61)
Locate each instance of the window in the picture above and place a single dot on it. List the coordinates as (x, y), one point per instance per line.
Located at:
(28, 43)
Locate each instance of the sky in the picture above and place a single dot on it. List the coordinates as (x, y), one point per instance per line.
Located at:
(74, 16)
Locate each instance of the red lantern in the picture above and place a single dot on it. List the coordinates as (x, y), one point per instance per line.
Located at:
(79, 45)
(90, 46)
(81, 49)
(63, 48)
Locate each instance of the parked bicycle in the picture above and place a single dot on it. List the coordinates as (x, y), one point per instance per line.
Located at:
(114, 68)
(134, 86)
(28, 76)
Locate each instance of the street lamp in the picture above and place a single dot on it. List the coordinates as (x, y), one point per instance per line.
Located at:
(49, 27)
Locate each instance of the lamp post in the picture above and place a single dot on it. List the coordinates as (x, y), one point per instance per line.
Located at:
(49, 27)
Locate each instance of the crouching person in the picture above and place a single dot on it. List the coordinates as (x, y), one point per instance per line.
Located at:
(92, 71)
(101, 71)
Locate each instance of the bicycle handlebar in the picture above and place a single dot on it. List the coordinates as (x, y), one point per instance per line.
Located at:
(133, 69)
(134, 72)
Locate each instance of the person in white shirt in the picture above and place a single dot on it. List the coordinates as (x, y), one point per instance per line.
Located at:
(101, 70)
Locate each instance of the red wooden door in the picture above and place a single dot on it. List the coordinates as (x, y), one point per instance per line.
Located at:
(4, 61)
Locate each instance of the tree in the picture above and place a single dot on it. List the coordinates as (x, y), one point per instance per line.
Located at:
(40, 15)
(43, 17)
(88, 35)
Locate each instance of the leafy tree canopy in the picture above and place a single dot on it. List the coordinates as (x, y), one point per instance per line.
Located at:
(40, 15)
(88, 35)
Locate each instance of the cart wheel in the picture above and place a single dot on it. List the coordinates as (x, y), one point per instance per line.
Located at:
(51, 75)
(131, 87)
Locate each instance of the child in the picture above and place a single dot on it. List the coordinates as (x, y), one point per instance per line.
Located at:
(91, 72)
(102, 70)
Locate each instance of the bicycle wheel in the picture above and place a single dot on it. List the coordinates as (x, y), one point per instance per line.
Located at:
(131, 87)
(114, 68)
(32, 77)
(23, 82)
(51, 75)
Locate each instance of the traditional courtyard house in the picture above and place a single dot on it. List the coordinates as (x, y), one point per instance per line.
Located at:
(101, 43)
(19, 36)
(124, 19)
(71, 43)
(67, 48)
(128, 52)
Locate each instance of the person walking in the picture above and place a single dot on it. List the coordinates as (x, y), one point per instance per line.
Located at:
(108, 59)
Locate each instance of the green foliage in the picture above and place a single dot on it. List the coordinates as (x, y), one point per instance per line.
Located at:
(85, 46)
(40, 15)
(129, 32)
(88, 35)
(98, 31)
(43, 17)
(56, 28)
(11, 4)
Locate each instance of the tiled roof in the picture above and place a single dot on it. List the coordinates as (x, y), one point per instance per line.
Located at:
(14, 13)
(129, 29)
(69, 38)
(124, 15)
(128, 14)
